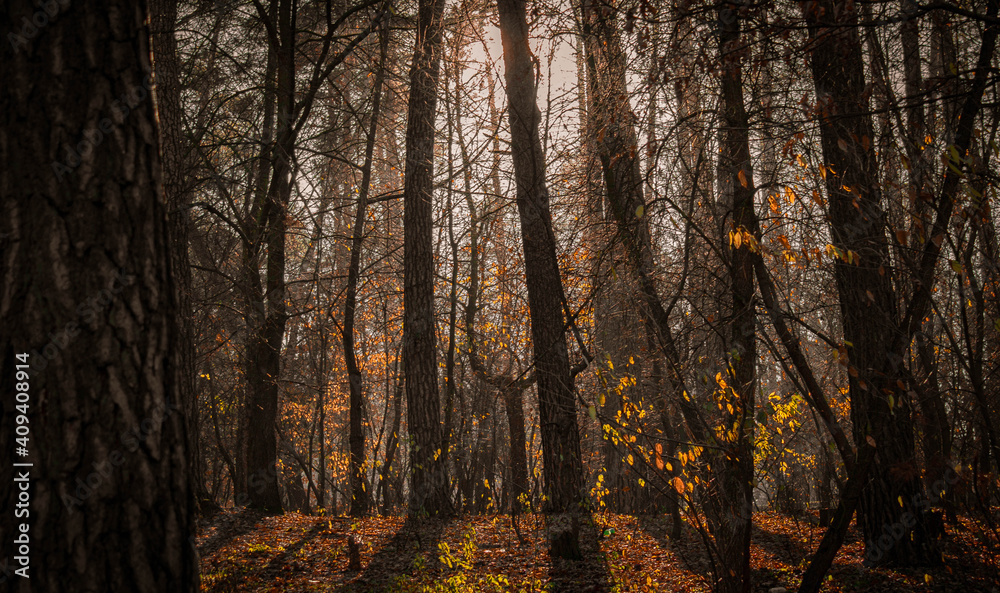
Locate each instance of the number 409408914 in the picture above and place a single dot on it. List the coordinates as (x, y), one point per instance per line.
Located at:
(21, 386)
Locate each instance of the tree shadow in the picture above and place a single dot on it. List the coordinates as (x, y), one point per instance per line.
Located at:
(782, 545)
(589, 574)
(689, 549)
(413, 548)
(225, 526)
(289, 552)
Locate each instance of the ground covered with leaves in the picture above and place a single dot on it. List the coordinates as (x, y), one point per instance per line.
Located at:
(242, 551)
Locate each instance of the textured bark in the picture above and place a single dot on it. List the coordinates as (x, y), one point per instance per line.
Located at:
(562, 464)
(863, 277)
(86, 290)
(429, 486)
(732, 534)
(176, 184)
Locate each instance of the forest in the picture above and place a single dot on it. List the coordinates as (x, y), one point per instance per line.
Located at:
(524, 295)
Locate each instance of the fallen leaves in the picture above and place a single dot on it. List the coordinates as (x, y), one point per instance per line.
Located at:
(241, 551)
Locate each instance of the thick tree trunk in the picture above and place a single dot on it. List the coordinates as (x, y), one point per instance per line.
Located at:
(429, 486)
(176, 188)
(87, 297)
(562, 467)
(880, 408)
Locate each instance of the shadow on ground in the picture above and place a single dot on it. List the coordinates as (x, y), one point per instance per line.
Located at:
(225, 526)
(417, 538)
(690, 548)
(589, 575)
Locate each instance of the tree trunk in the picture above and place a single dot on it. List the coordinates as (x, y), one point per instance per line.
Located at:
(359, 498)
(262, 450)
(737, 193)
(176, 168)
(429, 486)
(560, 434)
(89, 305)
(880, 408)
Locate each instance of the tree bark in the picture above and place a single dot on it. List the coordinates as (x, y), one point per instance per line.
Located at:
(880, 404)
(561, 457)
(737, 190)
(87, 294)
(429, 486)
(176, 189)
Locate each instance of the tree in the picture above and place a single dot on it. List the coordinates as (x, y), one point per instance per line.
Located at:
(880, 407)
(739, 221)
(429, 483)
(94, 312)
(359, 498)
(560, 433)
(176, 189)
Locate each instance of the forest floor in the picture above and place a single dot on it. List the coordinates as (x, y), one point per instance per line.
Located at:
(243, 551)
